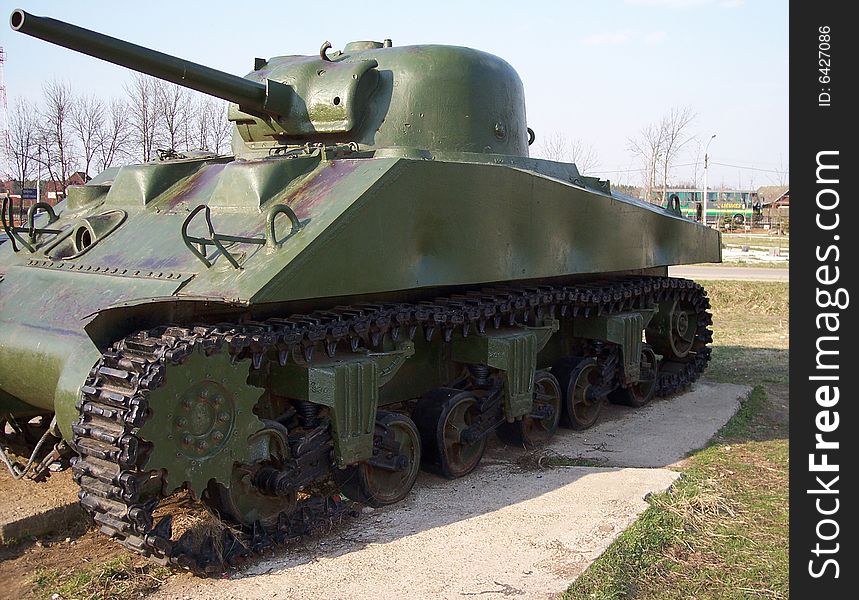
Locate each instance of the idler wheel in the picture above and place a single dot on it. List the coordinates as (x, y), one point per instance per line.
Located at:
(641, 392)
(583, 400)
(449, 420)
(538, 427)
(672, 330)
(390, 474)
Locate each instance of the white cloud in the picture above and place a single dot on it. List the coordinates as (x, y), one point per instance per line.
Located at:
(607, 38)
(654, 38)
(686, 3)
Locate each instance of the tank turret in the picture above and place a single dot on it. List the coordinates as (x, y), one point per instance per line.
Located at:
(446, 98)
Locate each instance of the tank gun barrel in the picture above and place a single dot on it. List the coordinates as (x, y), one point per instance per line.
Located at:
(269, 99)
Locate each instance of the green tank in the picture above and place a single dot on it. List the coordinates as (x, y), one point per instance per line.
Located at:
(377, 279)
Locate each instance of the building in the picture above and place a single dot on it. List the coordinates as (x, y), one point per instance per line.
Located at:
(775, 201)
(52, 192)
(775, 196)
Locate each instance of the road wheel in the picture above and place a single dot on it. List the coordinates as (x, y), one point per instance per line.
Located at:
(444, 418)
(641, 392)
(538, 427)
(389, 479)
(582, 401)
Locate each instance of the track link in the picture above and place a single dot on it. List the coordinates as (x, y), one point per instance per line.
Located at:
(122, 495)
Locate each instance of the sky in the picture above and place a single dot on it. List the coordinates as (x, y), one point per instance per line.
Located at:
(594, 70)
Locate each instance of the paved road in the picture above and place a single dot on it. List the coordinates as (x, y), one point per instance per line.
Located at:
(730, 273)
(502, 531)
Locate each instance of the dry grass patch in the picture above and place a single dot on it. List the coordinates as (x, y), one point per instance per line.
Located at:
(750, 332)
(707, 505)
(755, 241)
(118, 579)
(751, 298)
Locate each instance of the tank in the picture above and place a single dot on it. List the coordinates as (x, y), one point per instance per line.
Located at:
(378, 279)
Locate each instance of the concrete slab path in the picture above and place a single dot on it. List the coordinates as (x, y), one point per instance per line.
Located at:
(501, 531)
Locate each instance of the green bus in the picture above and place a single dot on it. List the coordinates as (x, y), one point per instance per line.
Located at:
(742, 207)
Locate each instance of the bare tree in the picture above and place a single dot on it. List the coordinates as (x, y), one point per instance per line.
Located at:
(197, 125)
(649, 147)
(659, 144)
(583, 155)
(556, 146)
(95, 134)
(22, 143)
(143, 113)
(673, 126)
(87, 122)
(219, 128)
(173, 107)
(780, 177)
(56, 140)
(115, 135)
(751, 181)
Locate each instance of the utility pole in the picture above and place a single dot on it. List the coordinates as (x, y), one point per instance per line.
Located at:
(706, 159)
(665, 192)
(39, 176)
(4, 110)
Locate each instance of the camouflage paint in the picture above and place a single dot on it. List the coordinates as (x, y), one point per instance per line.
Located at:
(437, 193)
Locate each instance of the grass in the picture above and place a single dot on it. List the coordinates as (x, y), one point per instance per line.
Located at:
(743, 421)
(756, 241)
(751, 263)
(722, 530)
(750, 336)
(116, 579)
(747, 299)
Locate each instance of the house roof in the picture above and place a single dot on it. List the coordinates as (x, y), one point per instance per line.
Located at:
(770, 194)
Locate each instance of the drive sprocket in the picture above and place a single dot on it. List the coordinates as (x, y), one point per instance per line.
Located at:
(200, 421)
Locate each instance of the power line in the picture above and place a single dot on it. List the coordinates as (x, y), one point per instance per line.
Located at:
(712, 162)
(749, 168)
(643, 170)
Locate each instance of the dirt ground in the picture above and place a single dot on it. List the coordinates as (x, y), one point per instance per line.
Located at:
(66, 551)
(20, 558)
(24, 498)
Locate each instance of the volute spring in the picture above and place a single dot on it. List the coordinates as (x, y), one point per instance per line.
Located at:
(480, 373)
(308, 413)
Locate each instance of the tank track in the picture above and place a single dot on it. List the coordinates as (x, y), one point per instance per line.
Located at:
(110, 468)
